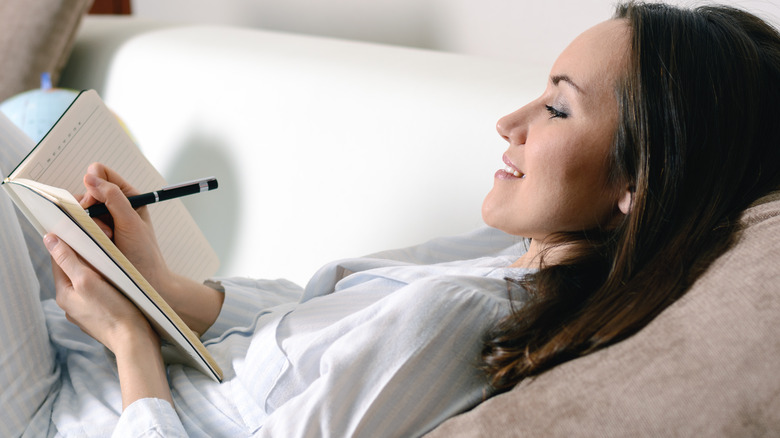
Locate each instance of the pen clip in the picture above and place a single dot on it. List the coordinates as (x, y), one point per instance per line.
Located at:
(204, 184)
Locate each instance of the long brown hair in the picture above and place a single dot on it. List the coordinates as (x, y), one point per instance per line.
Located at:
(697, 141)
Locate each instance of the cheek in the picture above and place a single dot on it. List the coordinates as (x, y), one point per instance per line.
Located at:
(588, 201)
(564, 189)
(573, 188)
(580, 163)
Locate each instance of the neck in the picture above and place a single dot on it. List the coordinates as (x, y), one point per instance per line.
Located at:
(541, 254)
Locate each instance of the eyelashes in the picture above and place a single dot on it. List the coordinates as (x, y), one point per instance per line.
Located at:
(555, 113)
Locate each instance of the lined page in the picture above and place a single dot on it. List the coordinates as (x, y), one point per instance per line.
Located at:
(89, 132)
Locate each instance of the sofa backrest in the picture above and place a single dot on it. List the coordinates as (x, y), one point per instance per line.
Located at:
(323, 148)
(709, 365)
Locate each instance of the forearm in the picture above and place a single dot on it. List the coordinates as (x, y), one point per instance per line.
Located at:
(197, 304)
(141, 368)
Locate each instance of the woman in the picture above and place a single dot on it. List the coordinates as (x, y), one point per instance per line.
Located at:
(696, 142)
(607, 175)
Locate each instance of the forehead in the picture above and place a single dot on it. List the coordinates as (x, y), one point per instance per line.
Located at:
(596, 58)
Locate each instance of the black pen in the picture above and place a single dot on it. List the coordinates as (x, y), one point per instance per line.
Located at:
(165, 193)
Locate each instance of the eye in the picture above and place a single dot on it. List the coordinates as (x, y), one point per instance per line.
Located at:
(555, 113)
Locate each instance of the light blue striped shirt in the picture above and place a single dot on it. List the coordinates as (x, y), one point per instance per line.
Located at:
(376, 346)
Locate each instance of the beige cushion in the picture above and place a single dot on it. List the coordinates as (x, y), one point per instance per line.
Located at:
(36, 36)
(707, 366)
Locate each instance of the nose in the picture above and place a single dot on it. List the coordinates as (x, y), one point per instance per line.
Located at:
(513, 127)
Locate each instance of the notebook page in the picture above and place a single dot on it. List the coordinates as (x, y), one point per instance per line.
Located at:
(89, 132)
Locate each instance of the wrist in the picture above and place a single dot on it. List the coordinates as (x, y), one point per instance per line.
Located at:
(140, 366)
(197, 304)
(133, 337)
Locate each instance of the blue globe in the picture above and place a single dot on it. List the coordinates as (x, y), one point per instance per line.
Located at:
(36, 111)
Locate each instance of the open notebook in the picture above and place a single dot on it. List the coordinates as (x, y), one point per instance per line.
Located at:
(89, 132)
(41, 186)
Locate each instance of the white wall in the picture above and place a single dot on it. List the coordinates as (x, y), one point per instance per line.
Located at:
(533, 31)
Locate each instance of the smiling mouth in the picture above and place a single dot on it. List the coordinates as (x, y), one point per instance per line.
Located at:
(514, 172)
(510, 169)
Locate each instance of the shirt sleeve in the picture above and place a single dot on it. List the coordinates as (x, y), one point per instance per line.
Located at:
(245, 298)
(405, 368)
(149, 417)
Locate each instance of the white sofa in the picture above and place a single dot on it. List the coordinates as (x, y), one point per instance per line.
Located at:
(323, 148)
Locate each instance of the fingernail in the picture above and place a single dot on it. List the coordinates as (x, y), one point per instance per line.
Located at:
(50, 241)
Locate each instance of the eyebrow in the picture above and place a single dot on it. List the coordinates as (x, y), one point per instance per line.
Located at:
(556, 79)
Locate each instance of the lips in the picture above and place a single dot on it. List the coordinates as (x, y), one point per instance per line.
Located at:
(510, 168)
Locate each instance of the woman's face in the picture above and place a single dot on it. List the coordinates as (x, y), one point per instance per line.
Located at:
(555, 175)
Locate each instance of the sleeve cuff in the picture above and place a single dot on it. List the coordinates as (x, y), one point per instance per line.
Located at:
(149, 417)
(245, 298)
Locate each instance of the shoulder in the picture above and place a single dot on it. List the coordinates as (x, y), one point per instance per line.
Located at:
(468, 287)
(443, 318)
(470, 297)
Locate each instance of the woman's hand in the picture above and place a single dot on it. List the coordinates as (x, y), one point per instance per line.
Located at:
(89, 301)
(132, 232)
(105, 314)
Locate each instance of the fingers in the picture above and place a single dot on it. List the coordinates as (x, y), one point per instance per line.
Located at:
(106, 228)
(105, 191)
(65, 259)
(101, 171)
(61, 280)
(106, 186)
(89, 301)
(67, 268)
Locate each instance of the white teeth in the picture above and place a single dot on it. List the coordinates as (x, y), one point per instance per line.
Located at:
(514, 172)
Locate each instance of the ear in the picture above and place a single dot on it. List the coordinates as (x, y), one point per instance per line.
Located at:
(624, 203)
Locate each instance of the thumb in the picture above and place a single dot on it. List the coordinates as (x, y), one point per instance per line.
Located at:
(65, 269)
(66, 262)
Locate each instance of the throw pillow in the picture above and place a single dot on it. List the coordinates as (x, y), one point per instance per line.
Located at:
(36, 36)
